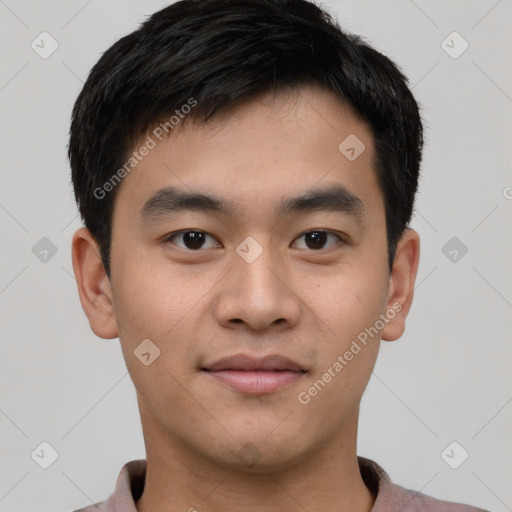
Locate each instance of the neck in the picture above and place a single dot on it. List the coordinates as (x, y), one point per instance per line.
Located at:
(179, 479)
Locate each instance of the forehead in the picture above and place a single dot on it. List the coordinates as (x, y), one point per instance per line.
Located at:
(256, 155)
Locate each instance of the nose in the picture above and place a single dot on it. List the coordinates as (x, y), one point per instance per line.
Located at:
(259, 294)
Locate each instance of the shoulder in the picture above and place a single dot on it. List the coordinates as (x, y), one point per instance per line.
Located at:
(97, 507)
(412, 501)
(390, 496)
(128, 489)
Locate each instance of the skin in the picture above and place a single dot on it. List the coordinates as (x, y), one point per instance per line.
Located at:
(198, 305)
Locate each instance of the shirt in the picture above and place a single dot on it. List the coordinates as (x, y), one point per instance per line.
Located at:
(389, 497)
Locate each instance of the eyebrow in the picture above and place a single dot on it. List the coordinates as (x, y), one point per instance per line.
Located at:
(336, 198)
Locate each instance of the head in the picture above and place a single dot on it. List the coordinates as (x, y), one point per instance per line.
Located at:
(273, 112)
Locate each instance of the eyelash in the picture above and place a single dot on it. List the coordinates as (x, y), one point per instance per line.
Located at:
(170, 237)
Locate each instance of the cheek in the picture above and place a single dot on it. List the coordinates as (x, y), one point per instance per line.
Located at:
(347, 302)
(149, 298)
(150, 307)
(162, 306)
(349, 306)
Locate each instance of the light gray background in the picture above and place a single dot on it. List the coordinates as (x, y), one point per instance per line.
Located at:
(447, 379)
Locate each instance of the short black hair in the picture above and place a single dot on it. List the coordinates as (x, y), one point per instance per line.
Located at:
(220, 54)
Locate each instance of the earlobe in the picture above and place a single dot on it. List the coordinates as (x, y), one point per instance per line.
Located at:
(93, 285)
(401, 285)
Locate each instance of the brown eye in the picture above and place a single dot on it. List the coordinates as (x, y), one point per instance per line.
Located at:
(317, 239)
(191, 240)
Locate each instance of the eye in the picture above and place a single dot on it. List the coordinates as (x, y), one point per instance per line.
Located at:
(194, 239)
(191, 239)
(317, 238)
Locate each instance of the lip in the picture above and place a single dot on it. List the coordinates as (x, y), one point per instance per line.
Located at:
(255, 375)
(243, 362)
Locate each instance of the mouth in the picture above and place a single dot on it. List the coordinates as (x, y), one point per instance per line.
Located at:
(255, 376)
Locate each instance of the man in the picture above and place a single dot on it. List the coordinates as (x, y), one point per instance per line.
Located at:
(246, 173)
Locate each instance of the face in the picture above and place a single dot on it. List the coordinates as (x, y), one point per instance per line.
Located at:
(300, 288)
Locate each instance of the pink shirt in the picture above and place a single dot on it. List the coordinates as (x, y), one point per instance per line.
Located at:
(390, 497)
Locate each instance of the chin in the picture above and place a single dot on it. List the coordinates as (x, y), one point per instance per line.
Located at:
(257, 454)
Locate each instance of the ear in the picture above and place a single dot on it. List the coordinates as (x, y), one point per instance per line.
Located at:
(93, 285)
(401, 284)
